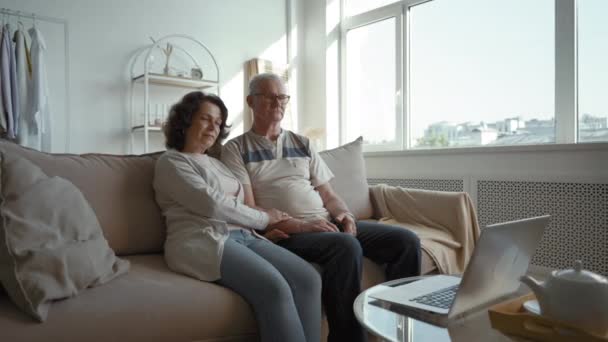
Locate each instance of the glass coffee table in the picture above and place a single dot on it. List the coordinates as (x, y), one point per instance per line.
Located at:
(392, 326)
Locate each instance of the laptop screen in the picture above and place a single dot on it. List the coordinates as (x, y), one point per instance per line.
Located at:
(501, 257)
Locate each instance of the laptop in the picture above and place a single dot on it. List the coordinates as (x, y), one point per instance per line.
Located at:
(502, 255)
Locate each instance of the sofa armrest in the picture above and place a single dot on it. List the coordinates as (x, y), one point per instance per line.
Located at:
(416, 206)
(444, 220)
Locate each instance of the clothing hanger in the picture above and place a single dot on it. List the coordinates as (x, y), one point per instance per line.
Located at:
(6, 22)
(20, 25)
(14, 19)
(34, 20)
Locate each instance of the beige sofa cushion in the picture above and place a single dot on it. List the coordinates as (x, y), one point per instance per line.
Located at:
(118, 188)
(150, 303)
(350, 182)
(51, 245)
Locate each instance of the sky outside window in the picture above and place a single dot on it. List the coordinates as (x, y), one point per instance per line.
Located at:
(481, 61)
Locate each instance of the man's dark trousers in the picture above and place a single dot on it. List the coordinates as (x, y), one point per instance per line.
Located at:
(340, 257)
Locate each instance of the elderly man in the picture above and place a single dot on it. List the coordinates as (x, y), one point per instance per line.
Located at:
(279, 169)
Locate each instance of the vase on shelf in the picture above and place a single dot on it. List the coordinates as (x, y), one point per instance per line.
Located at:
(168, 50)
(166, 68)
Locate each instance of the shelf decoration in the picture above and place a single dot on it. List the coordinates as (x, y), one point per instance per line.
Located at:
(188, 76)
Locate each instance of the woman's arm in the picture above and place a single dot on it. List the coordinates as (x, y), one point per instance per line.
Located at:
(177, 179)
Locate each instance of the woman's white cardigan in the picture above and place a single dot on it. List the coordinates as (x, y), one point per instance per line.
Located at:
(196, 210)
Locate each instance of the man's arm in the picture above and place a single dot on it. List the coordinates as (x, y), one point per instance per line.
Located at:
(337, 208)
(320, 175)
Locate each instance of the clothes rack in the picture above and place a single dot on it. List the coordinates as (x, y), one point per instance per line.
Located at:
(35, 18)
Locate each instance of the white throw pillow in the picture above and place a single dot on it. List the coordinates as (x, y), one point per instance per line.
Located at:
(350, 181)
(51, 244)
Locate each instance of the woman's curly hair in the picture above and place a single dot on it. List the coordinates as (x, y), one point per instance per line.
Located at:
(180, 119)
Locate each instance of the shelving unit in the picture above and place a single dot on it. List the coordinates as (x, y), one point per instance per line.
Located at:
(143, 77)
(141, 128)
(176, 81)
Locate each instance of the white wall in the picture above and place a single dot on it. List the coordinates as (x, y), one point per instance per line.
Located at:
(104, 34)
(318, 43)
(311, 63)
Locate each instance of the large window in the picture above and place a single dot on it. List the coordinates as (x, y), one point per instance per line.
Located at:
(474, 72)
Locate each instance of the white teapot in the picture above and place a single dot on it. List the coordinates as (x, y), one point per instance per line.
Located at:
(574, 296)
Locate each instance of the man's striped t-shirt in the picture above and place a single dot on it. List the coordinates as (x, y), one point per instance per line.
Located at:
(283, 174)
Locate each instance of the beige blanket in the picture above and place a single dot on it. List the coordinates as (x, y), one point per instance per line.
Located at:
(446, 222)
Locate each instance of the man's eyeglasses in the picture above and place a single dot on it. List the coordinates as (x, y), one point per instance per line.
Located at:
(282, 98)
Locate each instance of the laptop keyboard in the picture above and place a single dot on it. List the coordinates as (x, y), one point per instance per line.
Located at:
(441, 299)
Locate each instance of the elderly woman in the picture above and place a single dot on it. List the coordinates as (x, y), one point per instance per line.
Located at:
(212, 235)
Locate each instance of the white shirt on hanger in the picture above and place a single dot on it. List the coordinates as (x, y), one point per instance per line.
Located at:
(39, 97)
(3, 122)
(6, 55)
(23, 83)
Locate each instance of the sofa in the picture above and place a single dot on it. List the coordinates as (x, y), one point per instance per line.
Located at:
(152, 303)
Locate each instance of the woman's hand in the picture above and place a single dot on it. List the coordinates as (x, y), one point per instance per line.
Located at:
(275, 216)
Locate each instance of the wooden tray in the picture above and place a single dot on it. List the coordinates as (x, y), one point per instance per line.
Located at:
(511, 318)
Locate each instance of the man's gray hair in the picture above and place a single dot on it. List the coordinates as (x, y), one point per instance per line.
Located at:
(254, 84)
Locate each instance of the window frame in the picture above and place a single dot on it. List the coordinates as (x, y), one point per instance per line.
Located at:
(565, 87)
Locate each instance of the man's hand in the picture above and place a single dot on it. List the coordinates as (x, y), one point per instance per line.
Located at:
(319, 226)
(296, 226)
(347, 222)
(337, 208)
(276, 235)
